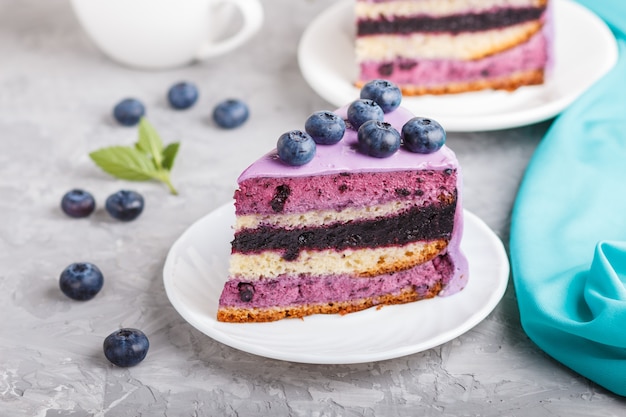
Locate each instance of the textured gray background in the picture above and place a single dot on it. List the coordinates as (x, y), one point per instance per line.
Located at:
(56, 95)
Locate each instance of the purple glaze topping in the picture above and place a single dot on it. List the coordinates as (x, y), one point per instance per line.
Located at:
(345, 157)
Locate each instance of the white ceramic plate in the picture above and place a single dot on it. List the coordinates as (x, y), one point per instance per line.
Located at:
(196, 269)
(328, 64)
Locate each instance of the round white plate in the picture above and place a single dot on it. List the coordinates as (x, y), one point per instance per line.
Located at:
(327, 62)
(196, 269)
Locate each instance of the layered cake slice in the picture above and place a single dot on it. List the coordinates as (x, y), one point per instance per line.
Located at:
(345, 230)
(452, 46)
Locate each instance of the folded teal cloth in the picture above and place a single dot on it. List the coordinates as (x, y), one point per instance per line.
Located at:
(568, 231)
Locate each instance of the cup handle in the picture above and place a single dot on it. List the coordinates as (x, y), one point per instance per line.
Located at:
(252, 13)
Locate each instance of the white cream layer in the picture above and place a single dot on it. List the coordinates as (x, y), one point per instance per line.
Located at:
(365, 262)
(436, 8)
(464, 46)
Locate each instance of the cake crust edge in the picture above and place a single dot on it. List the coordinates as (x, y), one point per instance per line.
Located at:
(260, 315)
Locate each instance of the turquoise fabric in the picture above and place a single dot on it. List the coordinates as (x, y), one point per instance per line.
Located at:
(568, 232)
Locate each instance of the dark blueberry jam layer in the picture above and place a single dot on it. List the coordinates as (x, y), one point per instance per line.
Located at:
(450, 24)
(425, 223)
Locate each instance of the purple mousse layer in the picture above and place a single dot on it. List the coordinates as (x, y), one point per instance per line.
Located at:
(345, 157)
(299, 195)
(531, 55)
(288, 291)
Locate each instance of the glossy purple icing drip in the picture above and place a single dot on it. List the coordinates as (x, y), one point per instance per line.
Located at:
(344, 157)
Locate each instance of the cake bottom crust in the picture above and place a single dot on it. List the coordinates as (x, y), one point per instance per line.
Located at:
(257, 315)
(511, 83)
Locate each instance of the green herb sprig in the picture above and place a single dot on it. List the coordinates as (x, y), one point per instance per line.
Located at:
(147, 160)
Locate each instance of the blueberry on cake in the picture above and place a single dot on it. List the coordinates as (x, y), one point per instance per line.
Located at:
(452, 46)
(338, 219)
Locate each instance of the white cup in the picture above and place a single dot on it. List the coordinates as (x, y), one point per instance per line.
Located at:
(160, 34)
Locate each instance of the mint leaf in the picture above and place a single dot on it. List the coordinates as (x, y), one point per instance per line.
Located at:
(146, 160)
(150, 142)
(169, 154)
(124, 162)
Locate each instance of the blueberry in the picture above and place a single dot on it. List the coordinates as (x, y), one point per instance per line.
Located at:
(385, 93)
(230, 113)
(325, 127)
(78, 203)
(128, 111)
(182, 95)
(362, 110)
(125, 205)
(378, 139)
(126, 347)
(296, 147)
(81, 281)
(423, 135)
(246, 291)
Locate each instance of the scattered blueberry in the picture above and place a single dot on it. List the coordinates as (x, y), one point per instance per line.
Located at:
(362, 110)
(128, 111)
(296, 147)
(125, 205)
(126, 347)
(182, 95)
(230, 113)
(81, 281)
(325, 127)
(423, 135)
(378, 139)
(385, 93)
(78, 203)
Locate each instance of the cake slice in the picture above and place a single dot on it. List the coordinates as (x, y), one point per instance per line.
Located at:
(345, 231)
(452, 46)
